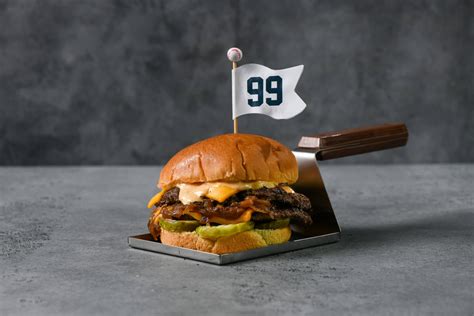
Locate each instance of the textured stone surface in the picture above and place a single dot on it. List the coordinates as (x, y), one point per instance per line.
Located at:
(407, 248)
(133, 81)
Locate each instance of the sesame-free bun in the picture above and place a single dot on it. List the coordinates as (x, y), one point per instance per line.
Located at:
(247, 240)
(231, 158)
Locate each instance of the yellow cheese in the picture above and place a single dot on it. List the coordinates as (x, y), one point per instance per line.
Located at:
(219, 191)
(245, 217)
(287, 189)
(197, 216)
(155, 199)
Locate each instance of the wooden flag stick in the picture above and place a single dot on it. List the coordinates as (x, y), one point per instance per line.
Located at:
(236, 123)
(234, 54)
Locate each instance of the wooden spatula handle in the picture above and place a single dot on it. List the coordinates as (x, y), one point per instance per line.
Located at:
(355, 141)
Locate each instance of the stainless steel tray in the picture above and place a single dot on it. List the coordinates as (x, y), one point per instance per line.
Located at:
(145, 242)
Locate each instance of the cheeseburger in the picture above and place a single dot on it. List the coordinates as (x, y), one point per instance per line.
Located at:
(228, 193)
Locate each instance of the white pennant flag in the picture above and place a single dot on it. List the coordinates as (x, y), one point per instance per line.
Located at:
(257, 89)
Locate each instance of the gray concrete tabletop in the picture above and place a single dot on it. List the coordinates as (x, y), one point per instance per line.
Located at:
(406, 248)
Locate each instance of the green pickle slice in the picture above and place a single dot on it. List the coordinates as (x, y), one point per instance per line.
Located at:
(178, 226)
(279, 223)
(216, 232)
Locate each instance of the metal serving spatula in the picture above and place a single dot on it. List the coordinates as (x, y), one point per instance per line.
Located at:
(335, 145)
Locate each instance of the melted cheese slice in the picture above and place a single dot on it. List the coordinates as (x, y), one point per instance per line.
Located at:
(245, 217)
(218, 191)
(155, 199)
(287, 189)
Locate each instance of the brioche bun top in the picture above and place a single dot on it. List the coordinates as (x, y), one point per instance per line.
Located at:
(231, 158)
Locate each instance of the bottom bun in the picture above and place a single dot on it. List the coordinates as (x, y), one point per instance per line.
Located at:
(251, 239)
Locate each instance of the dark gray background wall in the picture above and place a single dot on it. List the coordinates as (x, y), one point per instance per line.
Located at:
(131, 82)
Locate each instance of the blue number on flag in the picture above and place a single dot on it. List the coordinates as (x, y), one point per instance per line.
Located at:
(269, 87)
(276, 90)
(258, 91)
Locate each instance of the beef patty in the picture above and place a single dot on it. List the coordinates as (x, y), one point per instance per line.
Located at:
(269, 204)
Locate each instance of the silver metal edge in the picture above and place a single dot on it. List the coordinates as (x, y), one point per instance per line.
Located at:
(297, 244)
(282, 248)
(154, 246)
